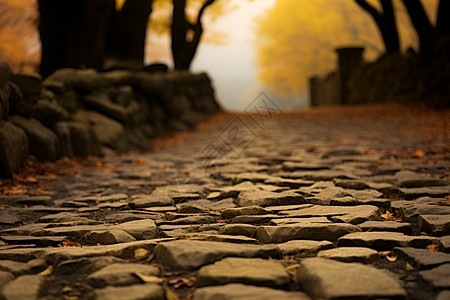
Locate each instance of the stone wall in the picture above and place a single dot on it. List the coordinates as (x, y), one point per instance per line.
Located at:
(401, 77)
(76, 113)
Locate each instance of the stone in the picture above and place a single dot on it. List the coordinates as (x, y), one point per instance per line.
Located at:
(247, 210)
(292, 183)
(239, 229)
(445, 243)
(362, 185)
(254, 219)
(421, 258)
(219, 238)
(79, 79)
(5, 72)
(262, 198)
(43, 142)
(192, 220)
(303, 246)
(444, 295)
(13, 148)
(353, 215)
(436, 225)
(190, 255)
(252, 177)
(350, 254)
(237, 291)
(5, 277)
(72, 232)
(108, 237)
(384, 240)
(329, 279)
(320, 175)
(120, 274)
(140, 229)
(438, 277)
(234, 190)
(306, 231)
(83, 140)
(288, 221)
(148, 291)
(85, 265)
(25, 287)
(402, 227)
(107, 131)
(48, 112)
(151, 201)
(411, 210)
(104, 105)
(41, 241)
(29, 84)
(252, 271)
(17, 268)
(434, 191)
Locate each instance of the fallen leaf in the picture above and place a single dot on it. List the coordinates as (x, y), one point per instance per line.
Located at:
(433, 248)
(140, 253)
(149, 278)
(409, 267)
(99, 164)
(420, 153)
(178, 282)
(140, 162)
(391, 258)
(384, 253)
(293, 267)
(388, 215)
(47, 271)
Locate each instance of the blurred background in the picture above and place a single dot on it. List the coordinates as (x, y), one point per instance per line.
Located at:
(247, 46)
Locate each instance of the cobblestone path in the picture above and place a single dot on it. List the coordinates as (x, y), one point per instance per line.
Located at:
(269, 207)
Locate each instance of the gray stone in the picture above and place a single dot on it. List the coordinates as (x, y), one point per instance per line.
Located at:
(239, 229)
(43, 142)
(437, 225)
(411, 210)
(438, 277)
(353, 215)
(149, 291)
(292, 183)
(85, 265)
(108, 237)
(320, 175)
(254, 219)
(362, 185)
(252, 177)
(329, 279)
(13, 148)
(151, 201)
(253, 271)
(78, 79)
(104, 105)
(247, 210)
(237, 291)
(192, 220)
(5, 277)
(423, 259)
(445, 243)
(384, 240)
(350, 254)
(73, 232)
(403, 227)
(17, 268)
(288, 221)
(29, 84)
(279, 208)
(120, 274)
(233, 191)
(84, 141)
(214, 237)
(303, 246)
(48, 112)
(306, 231)
(262, 198)
(434, 191)
(140, 229)
(25, 287)
(190, 255)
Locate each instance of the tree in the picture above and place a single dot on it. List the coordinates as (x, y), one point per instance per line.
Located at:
(185, 35)
(386, 23)
(420, 21)
(443, 17)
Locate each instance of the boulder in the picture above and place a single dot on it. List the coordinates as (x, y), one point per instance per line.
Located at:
(78, 79)
(29, 84)
(13, 148)
(5, 72)
(104, 105)
(44, 143)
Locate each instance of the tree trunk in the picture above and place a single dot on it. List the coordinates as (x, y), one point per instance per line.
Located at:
(73, 33)
(443, 17)
(127, 34)
(385, 22)
(420, 21)
(185, 36)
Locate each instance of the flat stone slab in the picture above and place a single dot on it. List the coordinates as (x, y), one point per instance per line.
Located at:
(437, 225)
(237, 291)
(263, 198)
(402, 227)
(248, 210)
(19, 268)
(190, 255)
(343, 214)
(253, 271)
(303, 246)
(444, 243)
(120, 274)
(350, 254)
(25, 287)
(148, 291)
(438, 277)
(423, 259)
(304, 231)
(384, 240)
(329, 279)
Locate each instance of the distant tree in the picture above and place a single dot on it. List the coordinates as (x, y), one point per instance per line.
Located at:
(185, 35)
(443, 17)
(385, 21)
(420, 21)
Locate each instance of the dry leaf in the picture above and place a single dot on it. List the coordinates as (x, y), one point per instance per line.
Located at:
(391, 258)
(384, 253)
(178, 282)
(47, 271)
(433, 248)
(420, 153)
(409, 267)
(140, 162)
(388, 216)
(149, 278)
(140, 253)
(293, 267)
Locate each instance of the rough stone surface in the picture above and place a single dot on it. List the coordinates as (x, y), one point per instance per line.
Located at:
(236, 291)
(304, 246)
(423, 259)
(435, 224)
(120, 274)
(328, 279)
(438, 277)
(148, 291)
(253, 271)
(350, 254)
(13, 148)
(25, 287)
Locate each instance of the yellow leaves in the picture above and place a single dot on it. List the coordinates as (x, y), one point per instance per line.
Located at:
(47, 271)
(389, 255)
(433, 248)
(140, 253)
(409, 268)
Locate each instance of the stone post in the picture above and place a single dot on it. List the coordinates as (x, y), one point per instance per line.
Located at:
(349, 58)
